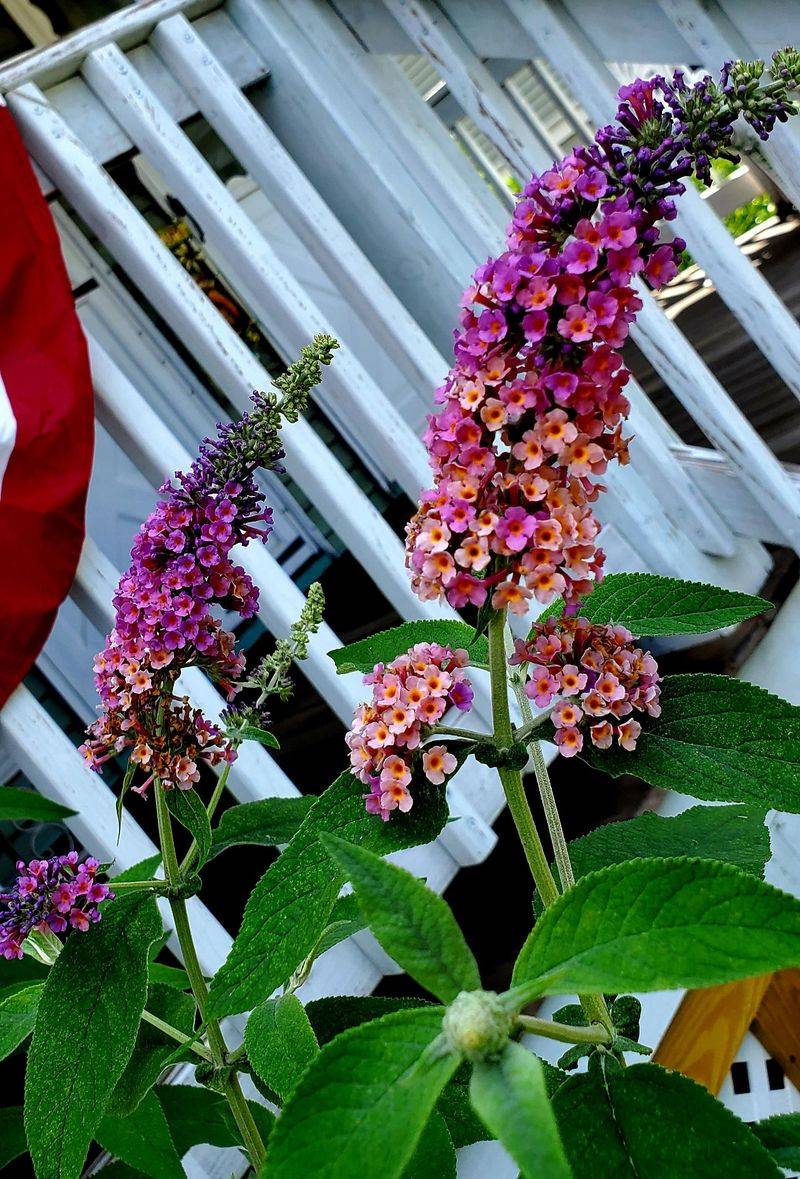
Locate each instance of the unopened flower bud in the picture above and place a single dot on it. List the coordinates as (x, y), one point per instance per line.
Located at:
(477, 1024)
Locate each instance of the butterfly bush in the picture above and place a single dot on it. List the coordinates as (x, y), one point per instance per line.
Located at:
(592, 676)
(409, 696)
(181, 572)
(532, 411)
(50, 896)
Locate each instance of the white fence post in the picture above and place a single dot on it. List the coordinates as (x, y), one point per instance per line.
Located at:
(241, 127)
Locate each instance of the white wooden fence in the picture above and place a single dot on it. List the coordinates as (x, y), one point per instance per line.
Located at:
(356, 184)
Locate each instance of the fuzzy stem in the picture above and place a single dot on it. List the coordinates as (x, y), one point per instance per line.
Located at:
(512, 779)
(594, 1005)
(452, 731)
(230, 1081)
(140, 886)
(174, 1034)
(566, 1033)
(213, 803)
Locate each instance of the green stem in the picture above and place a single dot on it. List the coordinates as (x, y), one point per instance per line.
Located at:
(140, 885)
(468, 734)
(512, 779)
(524, 732)
(213, 803)
(594, 1005)
(566, 1033)
(557, 837)
(176, 1034)
(230, 1081)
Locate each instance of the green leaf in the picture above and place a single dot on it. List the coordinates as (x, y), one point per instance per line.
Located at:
(363, 1102)
(12, 1134)
(388, 644)
(16, 805)
(189, 809)
(263, 736)
(196, 1116)
(647, 925)
(648, 604)
(280, 1042)
(153, 1048)
(144, 870)
(142, 1140)
(85, 1032)
(267, 822)
(414, 925)
(331, 1016)
(717, 738)
(169, 976)
(510, 1096)
(732, 834)
(346, 919)
(17, 1017)
(16, 971)
(290, 906)
(646, 1121)
(435, 1156)
(781, 1136)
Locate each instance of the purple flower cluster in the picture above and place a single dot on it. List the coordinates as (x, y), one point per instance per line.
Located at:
(181, 569)
(531, 412)
(57, 894)
(181, 572)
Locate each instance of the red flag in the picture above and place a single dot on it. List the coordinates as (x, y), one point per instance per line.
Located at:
(46, 417)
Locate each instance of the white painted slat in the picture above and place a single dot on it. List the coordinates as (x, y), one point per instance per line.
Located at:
(751, 514)
(469, 80)
(63, 57)
(191, 58)
(715, 39)
(342, 150)
(687, 516)
(284, 309)
(475, 795)
(740, 285)
(256, 774)
(226, 358)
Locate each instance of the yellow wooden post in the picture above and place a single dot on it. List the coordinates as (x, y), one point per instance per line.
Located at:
(707, 1030)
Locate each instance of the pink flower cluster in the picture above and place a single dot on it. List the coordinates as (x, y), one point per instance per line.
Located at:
(596, 677)
(530, 413)
(50, 895)
(181, 570)
(409, 696)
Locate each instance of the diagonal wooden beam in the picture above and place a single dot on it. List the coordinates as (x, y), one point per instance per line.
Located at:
(707, 1030)
(777, 1023)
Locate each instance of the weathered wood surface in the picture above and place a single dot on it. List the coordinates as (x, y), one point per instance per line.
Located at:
(707, 1030)
(777, 1024)
(61, 59)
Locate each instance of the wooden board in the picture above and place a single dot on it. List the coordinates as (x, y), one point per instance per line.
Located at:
(777, 1024)
(707, 1030)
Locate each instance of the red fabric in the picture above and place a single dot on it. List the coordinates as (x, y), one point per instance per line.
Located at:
(44, 366)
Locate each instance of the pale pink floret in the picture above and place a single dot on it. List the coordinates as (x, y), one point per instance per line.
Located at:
(438, 763)
(628, 733)
(569, 741)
